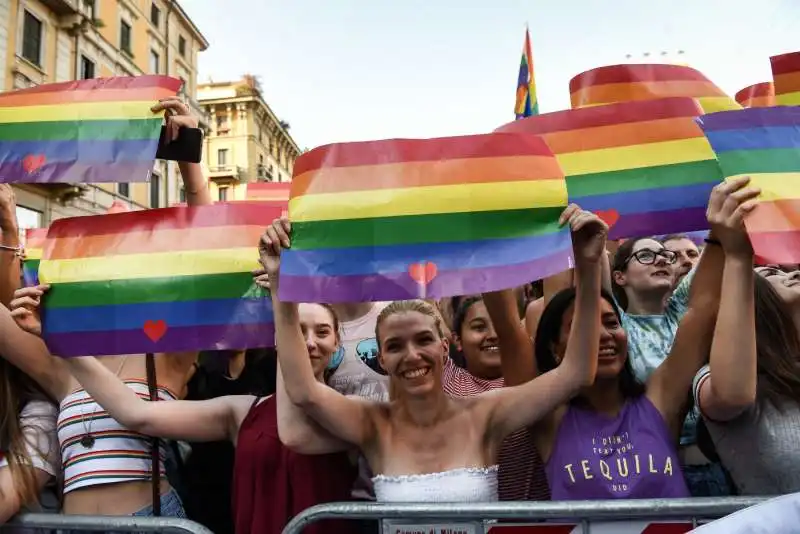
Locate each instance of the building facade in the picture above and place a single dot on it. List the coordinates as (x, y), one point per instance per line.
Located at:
(246, 141)
(48, 41)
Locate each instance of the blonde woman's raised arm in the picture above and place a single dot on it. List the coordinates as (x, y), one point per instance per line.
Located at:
(513, 408)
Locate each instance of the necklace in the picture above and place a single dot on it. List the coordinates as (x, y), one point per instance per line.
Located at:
(87, 440)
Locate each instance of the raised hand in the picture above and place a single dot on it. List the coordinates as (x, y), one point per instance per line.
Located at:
(273, 241)
(728, 205)
(177, 115)
(8, 208)
(25, 308)
(589, 233)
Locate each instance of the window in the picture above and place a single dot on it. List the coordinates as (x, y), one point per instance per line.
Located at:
(222, 123)
(182, 46)
(261, 159)
(155, 15)
(223, 194)
(155, 62)
(222, 157)
(155, 190)
(184, 88)
(182, 195)
(125, 37)
(32, 39)
(124, 189)
(87, 68)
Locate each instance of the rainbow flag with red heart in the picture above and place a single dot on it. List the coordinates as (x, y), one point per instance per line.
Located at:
(161, 280)
(408, 218)
(97, 130)
(644, 167)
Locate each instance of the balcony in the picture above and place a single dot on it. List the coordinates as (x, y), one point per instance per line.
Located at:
(226, 174)
(65, 7)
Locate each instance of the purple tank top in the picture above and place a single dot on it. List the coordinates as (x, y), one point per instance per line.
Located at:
(631, 456)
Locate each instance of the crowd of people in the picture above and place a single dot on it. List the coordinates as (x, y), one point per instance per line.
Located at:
(656, 368)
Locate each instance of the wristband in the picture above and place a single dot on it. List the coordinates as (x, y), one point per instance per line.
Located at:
(11, 249)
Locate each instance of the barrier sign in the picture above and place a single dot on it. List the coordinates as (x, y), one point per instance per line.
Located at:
(403, 527)
(597, 527)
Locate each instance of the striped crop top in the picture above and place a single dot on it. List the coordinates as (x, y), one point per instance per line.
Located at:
(95, 449)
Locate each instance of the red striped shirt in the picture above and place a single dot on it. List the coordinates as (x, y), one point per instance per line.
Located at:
(521, 476)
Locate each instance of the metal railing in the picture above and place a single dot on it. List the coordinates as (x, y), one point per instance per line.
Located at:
(693, 510)
(67, 523)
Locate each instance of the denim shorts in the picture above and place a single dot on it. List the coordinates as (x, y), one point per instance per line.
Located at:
(171, 506)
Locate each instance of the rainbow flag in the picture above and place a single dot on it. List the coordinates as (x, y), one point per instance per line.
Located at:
(98, 130)
(527, 104)
(644, 167)
(404, 218)
(764, 143)
(759, 95)
(786, 77)
(34, 247)
(623, 83)
(161, 280)
(273, 191)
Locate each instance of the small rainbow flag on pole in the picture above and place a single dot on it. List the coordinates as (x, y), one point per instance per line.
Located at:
(34, 247)
(403, 218)
(632, 82)
(759, 95)
(786, 77)
(274, 191)
(98, 130)
(764, 143)
(527, 104)
(643, 167)
(162, 280)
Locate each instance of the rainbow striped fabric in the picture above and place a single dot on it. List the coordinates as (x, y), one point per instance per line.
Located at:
(34, 247)
(273, 191)
(623, 83)
(399, 219)
(786, 77)
(764, 143)
(161, 280)
(526, 104)
(98, 130)
(759, 95)
(643, 167)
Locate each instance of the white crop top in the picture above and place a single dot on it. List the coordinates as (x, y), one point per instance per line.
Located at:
(470, 484)
(113, 453)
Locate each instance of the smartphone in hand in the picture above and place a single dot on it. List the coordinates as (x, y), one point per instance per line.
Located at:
(187, 147)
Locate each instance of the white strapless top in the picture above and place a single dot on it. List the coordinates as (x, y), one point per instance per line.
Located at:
(467, 484)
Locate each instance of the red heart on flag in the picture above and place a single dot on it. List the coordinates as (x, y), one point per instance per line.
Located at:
(155, 330)
(610, 217)
(32, 162)
(422, 273)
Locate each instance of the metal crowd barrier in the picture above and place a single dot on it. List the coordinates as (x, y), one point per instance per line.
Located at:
(479, 518)
(67, 523)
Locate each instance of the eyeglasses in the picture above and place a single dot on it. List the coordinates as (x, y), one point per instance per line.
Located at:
(649, 257)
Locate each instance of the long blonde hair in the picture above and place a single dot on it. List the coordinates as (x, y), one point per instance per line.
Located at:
(16, 390)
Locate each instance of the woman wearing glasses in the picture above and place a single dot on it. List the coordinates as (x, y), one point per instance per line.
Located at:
(651, 307)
